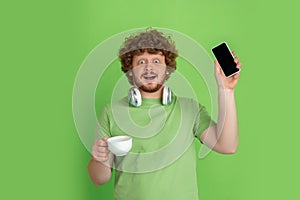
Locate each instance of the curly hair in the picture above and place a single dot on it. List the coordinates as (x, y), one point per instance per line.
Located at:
(151, 41)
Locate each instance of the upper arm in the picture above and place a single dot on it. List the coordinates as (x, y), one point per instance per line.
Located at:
(209, 138)
(103, 127)
(203, 122)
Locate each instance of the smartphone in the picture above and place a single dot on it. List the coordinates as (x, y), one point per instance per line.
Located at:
(226, 60)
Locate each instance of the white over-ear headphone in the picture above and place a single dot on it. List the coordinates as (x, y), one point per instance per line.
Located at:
(135, 97)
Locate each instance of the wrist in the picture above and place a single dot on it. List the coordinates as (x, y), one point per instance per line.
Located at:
(226, 90)
(95, 159)
(106, 163)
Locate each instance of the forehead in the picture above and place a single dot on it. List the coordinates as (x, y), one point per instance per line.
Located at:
(146, 54)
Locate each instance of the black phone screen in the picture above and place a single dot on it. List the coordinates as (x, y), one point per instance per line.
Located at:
(225, 59)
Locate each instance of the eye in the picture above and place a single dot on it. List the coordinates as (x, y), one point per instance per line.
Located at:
(141, 62)
(156, 61)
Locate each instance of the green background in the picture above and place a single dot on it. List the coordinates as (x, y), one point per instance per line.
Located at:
(43, 44)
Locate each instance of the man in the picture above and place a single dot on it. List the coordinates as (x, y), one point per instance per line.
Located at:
(162, 161)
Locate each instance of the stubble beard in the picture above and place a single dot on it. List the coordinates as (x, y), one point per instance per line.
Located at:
(149, 88)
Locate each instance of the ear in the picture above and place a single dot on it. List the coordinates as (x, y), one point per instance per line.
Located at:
(168, 72)
(129, 73)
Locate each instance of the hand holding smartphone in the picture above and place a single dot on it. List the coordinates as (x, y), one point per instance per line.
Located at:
(226, 60)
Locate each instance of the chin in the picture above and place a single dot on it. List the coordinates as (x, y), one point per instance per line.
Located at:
(150, 88)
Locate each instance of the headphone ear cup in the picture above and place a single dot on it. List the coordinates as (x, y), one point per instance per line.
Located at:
(134, 97)
(167, 96)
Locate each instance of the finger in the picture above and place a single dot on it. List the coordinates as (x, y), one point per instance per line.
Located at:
(239, 65)
(100, 159)
(217, 66)
(233, 53)
(236, 76)
(98, 140)
(96, 143)
(99, 155)
(236, 59)
(105, 138)
(101, 143)
(102, 150)
(216, 63)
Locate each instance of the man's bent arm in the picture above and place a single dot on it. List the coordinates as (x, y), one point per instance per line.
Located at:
(99, 172)
(223, 137)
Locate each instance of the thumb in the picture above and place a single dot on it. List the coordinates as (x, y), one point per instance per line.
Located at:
(105, 138)
(217, 66)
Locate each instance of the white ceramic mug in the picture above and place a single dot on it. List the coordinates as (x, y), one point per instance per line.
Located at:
(119, 145)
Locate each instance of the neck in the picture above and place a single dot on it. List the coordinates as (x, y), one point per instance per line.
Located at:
(157, 94)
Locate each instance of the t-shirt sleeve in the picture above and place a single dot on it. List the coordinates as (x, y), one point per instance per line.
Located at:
(202, 122)
(103, 128)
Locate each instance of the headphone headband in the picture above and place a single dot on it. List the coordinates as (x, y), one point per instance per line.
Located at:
(135, 97)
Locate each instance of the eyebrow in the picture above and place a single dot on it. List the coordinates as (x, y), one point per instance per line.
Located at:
(154, 55)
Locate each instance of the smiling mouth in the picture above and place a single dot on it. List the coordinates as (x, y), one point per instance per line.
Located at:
(149, 77)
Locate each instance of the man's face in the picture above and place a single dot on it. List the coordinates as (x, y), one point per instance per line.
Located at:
(149, 71)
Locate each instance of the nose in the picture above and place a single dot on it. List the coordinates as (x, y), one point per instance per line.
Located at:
(148, 67)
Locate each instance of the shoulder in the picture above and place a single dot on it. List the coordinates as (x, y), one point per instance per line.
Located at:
(119, 103)
(116, 105)
(189, 103)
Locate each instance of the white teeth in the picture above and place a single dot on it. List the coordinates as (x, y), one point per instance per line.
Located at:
(149, 76)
